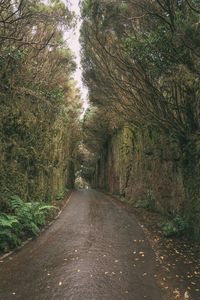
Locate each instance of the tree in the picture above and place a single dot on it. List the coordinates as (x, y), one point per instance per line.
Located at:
(39, 102)
(141, 60)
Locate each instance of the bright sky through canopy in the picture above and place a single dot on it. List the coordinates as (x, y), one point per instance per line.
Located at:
(73, 41)
(74, 44)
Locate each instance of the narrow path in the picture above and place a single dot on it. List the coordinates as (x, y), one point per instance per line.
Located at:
(94, 251)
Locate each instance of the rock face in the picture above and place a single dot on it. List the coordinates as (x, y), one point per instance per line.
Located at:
(36, 151)
(141, 164)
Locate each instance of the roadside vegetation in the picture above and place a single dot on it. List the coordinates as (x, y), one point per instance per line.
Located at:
(39, 114)
(141, 64)
(22, 220)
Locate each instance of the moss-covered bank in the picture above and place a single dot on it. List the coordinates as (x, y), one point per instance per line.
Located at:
(36, 149)
(143, 164)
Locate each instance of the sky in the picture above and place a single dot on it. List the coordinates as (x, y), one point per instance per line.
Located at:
(72, 38)
(73, 42)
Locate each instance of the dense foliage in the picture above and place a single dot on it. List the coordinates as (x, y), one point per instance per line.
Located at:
(141, 64)
(24, 219)
(39, 103)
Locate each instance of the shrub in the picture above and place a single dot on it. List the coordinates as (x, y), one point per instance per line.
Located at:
(31, 215)
(142, 203)
(8, 229)
(174, 227)
(25, 219)
(60, 195)
(147, 203)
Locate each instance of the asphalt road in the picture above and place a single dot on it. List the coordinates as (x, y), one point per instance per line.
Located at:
(95, 250)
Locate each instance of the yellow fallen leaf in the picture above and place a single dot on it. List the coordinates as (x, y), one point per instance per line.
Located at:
(176, 292)
(186, 295)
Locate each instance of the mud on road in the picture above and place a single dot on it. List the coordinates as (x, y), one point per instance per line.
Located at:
(95, 250)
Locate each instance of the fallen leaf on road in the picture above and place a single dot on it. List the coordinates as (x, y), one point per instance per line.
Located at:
(186, 295)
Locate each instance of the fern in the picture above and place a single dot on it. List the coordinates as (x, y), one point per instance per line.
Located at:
(60, 195)
(40, 211)
(16, 203)
(31, 215)
(174, 227)
(8, 240)
(26, 219)
(8, 232)
(7, 221)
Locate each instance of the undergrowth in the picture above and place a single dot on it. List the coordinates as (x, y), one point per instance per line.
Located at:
(25, 219)
(61, 194)
(147, 203)
(175, 227)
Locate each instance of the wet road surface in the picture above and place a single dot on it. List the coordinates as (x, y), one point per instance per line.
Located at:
(95, 250)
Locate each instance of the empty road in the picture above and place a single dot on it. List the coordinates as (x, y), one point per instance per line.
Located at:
(95, 250)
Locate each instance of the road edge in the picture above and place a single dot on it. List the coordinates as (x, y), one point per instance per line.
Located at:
(6, 255)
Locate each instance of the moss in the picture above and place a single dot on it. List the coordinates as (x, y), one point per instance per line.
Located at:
(35, 151)
(167, 180)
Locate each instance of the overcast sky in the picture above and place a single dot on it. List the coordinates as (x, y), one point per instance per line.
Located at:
(72, 38)
(73, 41)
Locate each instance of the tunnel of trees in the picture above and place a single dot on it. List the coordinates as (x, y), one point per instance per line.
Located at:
(141, 63)
(140, 136)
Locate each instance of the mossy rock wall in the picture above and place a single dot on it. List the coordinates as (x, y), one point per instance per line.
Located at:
(142, 164)
(35, 150)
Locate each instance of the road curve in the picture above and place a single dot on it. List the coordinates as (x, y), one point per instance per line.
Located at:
(95, 250)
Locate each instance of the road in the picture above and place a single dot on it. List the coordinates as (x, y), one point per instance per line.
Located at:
(95, 250)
